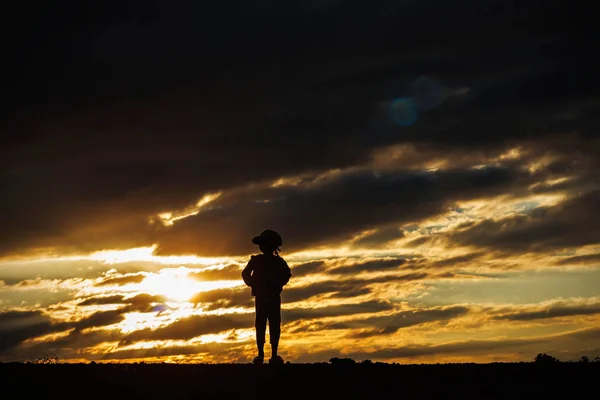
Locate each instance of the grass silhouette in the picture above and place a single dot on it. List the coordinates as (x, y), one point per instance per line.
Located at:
(337, 379)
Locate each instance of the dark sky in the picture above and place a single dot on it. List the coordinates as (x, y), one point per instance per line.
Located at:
(117, 111)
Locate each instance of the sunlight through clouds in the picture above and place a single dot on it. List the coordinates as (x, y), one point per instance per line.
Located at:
(170, 217)
(175, 284)
(147, 254)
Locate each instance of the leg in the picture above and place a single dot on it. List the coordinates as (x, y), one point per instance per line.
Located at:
(274, 308)
(260, 324)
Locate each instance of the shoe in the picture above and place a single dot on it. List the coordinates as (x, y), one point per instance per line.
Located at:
(258, 360)
(277, 360)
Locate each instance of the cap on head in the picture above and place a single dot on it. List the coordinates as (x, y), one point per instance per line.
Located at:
(268, 237)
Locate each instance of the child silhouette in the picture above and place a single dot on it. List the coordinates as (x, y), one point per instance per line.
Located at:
(267, 274)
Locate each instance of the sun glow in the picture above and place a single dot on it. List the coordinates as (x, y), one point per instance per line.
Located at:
(134, 321)
(175, 284)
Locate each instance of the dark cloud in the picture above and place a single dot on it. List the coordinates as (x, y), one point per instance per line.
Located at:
(142, 302)
(69, 346)
(586, 334)
(128, 111)
(301, 314)
(308, 268)
(379, 237)
(333, 210)
(344, 288)
(102, 300)
(554, 311)
(387, 324)
(379, 325)
(351, 292)
(217, 350)
(228, 272)
(369, 266)
(583, 259)
(99, 319)
(224, 298)
(572, 223)
(190, 327)
(121, 280)
(457, 260)
(418, 241)
(17, 326)
(462, 347)
(469, 347)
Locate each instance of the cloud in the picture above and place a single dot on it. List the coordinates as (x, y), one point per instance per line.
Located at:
(220, 352)
(369, 266)
(50, 269)
(228, 272)
(152, 136)
(102, 300)
(556, 310)
(301, 314)
(17, 326)
(571, 223)
(380, 236)
(308, 268)
(475, 347)
(141, 302)
(344, 288)
(370, 199)
(224, 298)
(583, 259)
(99, 319)
(458, 260)
(190, 327)
(461, 347)
(388, 324)
(121, 280)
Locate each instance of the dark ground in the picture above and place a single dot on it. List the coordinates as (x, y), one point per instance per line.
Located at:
(303, 381)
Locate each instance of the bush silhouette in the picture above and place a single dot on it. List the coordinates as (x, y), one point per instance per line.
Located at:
(543, 358)
(342, 361)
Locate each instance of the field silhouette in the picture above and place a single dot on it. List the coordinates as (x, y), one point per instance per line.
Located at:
(338, 379)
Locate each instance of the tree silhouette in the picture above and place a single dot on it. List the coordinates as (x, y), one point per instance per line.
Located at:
(584, 359)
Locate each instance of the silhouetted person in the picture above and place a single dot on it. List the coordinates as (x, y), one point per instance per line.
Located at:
(267, 274)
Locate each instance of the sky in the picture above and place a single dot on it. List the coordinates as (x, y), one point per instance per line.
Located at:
(431, 166)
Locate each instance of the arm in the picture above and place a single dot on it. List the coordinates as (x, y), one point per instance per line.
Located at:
(247, 273)
(286, 273)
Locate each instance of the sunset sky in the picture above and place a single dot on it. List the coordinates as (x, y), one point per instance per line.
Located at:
(431, 165)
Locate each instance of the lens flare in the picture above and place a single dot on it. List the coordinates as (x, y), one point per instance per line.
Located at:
(403, 111)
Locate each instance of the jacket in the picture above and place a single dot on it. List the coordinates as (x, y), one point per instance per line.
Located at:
(266, 275)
